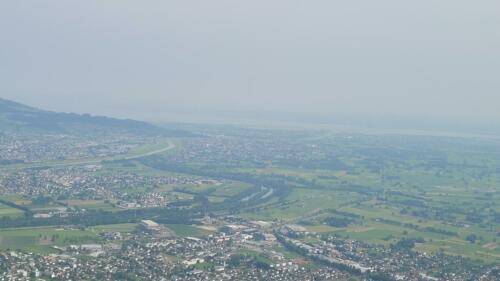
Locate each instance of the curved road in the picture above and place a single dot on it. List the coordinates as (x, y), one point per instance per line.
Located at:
(170, 146)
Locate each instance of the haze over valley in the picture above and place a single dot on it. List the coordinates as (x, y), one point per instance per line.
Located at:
(259, 140)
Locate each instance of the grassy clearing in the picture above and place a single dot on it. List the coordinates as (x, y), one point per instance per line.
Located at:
(123, 227)
(90, 204)
(16, 199)
(42, 239)
(302, 202)
(461, 248)
(185, 230)
(6, 211)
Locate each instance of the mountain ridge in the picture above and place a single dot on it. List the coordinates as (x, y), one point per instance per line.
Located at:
(18, 117)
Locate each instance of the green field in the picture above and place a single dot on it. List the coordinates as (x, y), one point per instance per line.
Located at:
(6, 211)
(43, 239)
(401, 191)
(379, 189)
(90, 204)
(185, 230)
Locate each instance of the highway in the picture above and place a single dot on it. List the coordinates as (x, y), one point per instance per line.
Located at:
(170, 146)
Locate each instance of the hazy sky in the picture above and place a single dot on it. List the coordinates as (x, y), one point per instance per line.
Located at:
(153, 59)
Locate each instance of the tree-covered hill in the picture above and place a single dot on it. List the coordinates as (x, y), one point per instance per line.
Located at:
(19, 118)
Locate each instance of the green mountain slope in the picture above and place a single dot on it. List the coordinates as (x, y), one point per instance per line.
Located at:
(16, 117)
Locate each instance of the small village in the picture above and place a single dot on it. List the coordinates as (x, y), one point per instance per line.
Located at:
(232, 249)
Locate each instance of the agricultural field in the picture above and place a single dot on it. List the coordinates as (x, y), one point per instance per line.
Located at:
(52, 239)
(184, 230)
(438, 196)
(104, 205)
(6, 211)
(393, 190)
(42, 240)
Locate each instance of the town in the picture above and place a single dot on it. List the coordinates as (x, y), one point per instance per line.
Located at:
(234, 249)
(247, 204)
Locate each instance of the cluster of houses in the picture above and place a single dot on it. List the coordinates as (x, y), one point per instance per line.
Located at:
(234, 249)
(26, 149)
